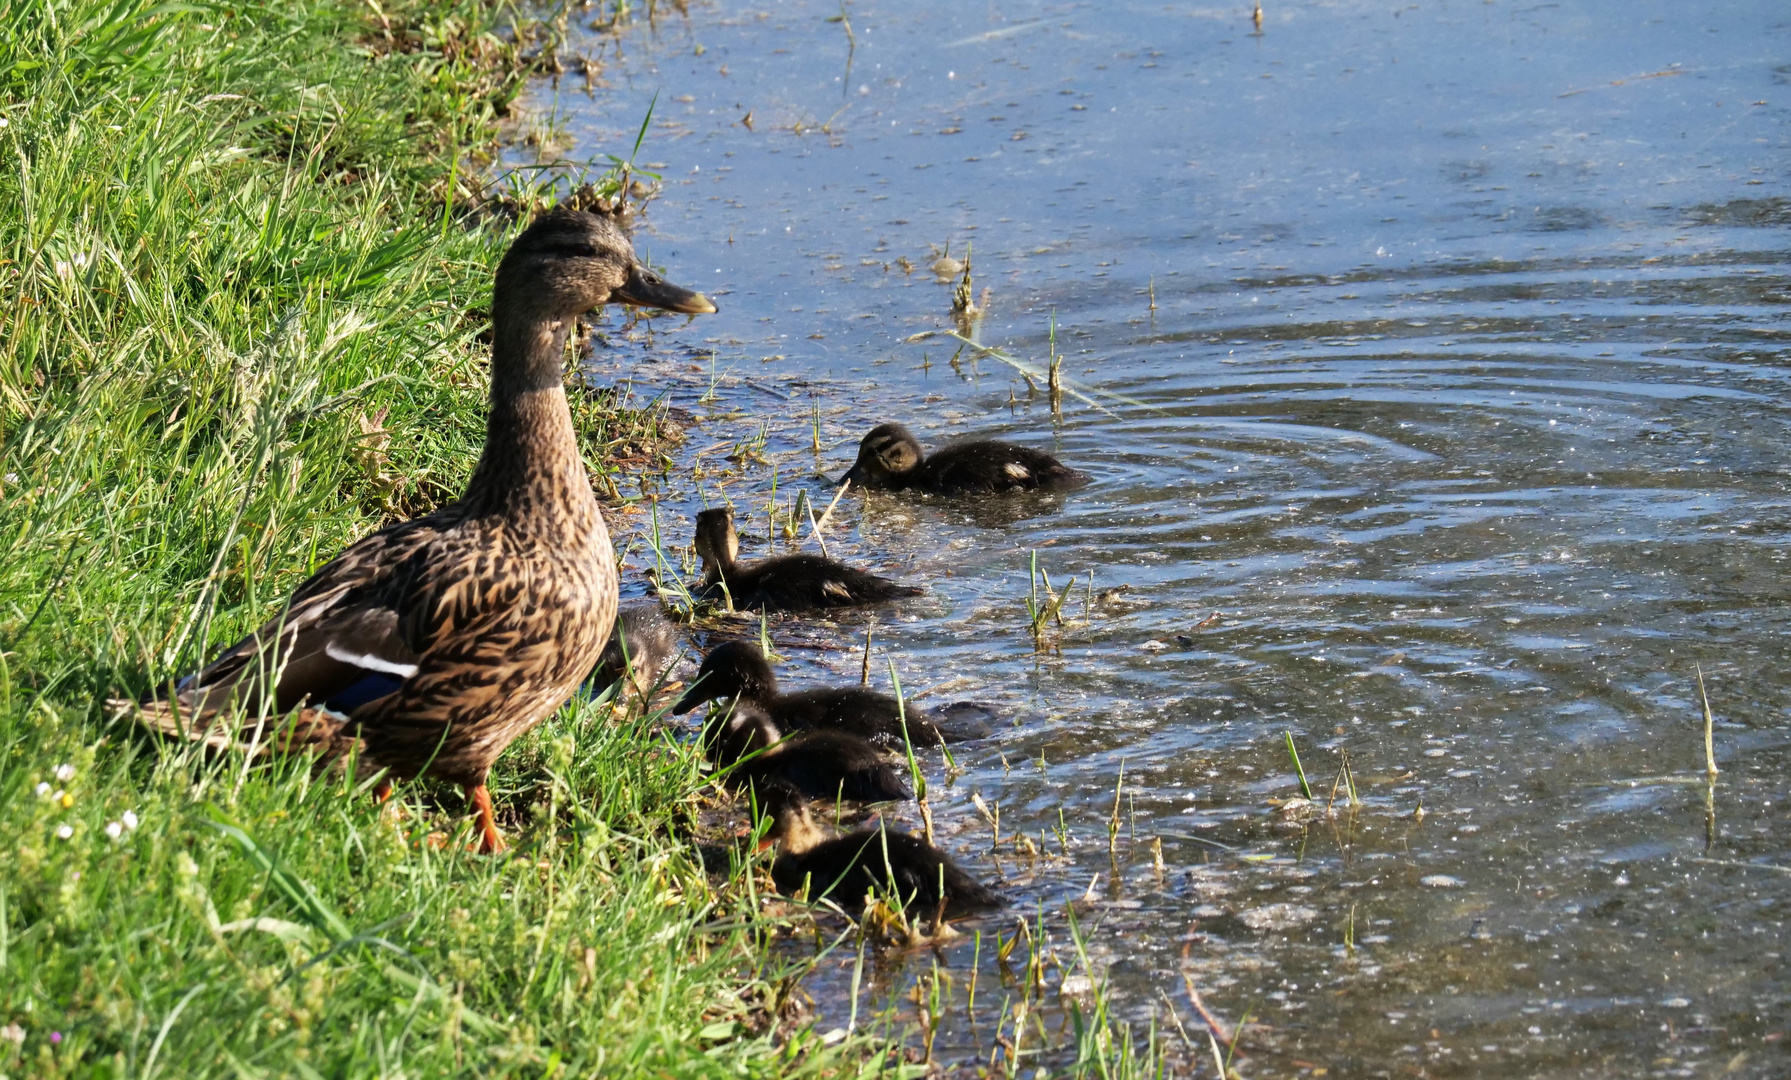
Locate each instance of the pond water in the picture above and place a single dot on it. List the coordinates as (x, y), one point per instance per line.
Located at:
(1431, 364)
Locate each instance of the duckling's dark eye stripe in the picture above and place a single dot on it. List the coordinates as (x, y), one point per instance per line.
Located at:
(581, 250)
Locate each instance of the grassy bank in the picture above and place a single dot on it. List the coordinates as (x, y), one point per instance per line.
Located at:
(240, 330)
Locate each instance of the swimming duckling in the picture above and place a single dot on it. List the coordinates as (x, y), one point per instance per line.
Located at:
(890, 457)
(643, 646)
(883, 860)
(817, 764)
(737, 669)
(783, 582)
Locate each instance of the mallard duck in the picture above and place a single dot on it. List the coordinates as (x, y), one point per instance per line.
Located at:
(737, 670)
(783, 582)
(818, 764)
(644, 645)
(428, 646)
(890, 457)
(882, 860)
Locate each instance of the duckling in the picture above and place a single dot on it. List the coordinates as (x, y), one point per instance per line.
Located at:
(890, 457)
(644, 645)
(818, 764)
(737, 669)
(430, 645)
(882, 860)
(784, 582)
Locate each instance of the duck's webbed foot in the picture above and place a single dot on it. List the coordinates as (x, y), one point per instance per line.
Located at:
(491, 842)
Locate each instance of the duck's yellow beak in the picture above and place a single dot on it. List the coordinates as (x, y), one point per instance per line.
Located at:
(644, 288)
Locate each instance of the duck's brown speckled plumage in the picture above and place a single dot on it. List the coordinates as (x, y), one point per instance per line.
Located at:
(432, 644)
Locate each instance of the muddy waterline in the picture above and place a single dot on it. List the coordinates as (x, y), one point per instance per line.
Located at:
(1433, 367)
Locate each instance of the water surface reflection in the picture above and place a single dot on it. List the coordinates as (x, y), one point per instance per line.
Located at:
(1440, 353)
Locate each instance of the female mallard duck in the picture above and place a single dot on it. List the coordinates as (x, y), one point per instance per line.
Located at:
(784, 582)
(881, 860)
(819, 764)
(430, 645)
(737, 670)
(890, 457)
(644, 645)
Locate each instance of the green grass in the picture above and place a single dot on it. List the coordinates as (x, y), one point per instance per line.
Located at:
(225, 248)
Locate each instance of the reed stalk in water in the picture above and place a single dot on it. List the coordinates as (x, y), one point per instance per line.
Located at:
(1294, 756)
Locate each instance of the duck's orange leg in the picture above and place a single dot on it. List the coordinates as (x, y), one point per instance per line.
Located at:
(382, 792)
(490, 843)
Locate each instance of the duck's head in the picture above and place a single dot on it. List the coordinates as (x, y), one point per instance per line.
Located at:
(570, 261)
(793, 828)
(734, 669)
(643, 645)
(889, 453)
(742, 730)
(717, 544)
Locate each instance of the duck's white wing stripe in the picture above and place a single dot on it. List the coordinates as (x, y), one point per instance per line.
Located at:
(369, 661)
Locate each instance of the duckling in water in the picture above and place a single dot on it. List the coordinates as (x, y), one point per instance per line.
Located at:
(890, 457)
(881, 860)
(784, 582)
(817, 764)
(643, 646)
(737, 669)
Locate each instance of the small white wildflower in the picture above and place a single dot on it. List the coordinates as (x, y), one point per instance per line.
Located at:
(64, 270)
(65, 772)
(63, 832)
(130, 820)
(12, 1033)
(43, 790)
(114, 829)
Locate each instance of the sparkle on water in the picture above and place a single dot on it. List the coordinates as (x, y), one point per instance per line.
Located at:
(1440, 360)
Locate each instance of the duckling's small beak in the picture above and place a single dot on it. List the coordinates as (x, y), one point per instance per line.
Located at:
(852, 476)
(644, 288)
(691, 699)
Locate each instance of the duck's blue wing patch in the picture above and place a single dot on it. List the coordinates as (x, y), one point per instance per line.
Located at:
(375, 685)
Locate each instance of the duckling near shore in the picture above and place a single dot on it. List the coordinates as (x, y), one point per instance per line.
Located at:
(737, 670)
(816, 764)
(784, 582)
(882, 860)
(890, 457)
(644, 645)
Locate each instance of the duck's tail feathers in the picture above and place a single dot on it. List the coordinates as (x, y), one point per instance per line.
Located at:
(307, 729)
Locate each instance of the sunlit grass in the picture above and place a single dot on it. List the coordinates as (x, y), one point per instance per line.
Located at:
(243, 315)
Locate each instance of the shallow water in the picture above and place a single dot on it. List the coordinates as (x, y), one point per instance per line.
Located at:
(1433, 369)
